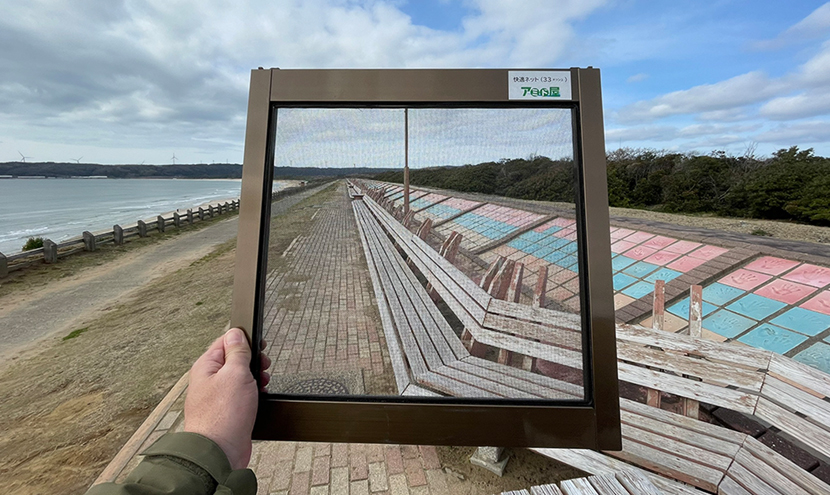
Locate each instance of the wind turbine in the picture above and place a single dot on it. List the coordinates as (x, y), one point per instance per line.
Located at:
(174, 158)
(23, 157)
(77, 160)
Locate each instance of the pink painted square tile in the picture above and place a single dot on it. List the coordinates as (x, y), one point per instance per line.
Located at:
(622, 246)
(817, 276)
(640, 252)
(708, 252)
(659, 242)
(639, 237)
(563, 222)
(820, 303)
(571, 235)
(662, 257)
(620, 233)
(784, 291)
(685, 264)
(562, 277)
(771, 265)
(683, 247)
(744, 279)
(564, 232)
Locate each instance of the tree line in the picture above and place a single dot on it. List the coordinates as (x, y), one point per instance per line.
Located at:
(792, 184)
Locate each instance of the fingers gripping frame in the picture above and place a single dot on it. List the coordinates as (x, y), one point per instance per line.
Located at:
(591, 423)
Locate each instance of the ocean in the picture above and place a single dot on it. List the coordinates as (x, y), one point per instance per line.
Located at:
(59, 209)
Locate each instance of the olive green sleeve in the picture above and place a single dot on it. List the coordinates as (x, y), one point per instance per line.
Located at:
(182, 463)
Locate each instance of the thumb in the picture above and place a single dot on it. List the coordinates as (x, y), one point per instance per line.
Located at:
(237, 349)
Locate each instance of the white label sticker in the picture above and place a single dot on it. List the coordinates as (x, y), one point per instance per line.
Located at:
(539, 85)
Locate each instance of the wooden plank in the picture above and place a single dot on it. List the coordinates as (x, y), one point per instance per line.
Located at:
(784, 466)
(395, 353)
(484, 383)
(717, 373)
(796, 427)
(636, 483)
(743, 356)
(541, 286)
(806, 376)
(531, 313)
(597, 463)
(453, 387)
(658, 308)
(578, 486)
(545, 490)
(695, 311)
(531, 390)
(731, 487)
(565, 389)
(750, 482)
(528, 347)
(752, 466)
(676, 432)
(669, 464)
(491, 273)
(679, 447)
(561, 337)
(713, 394)
(794, 398)
(693, 425)
(607, 485)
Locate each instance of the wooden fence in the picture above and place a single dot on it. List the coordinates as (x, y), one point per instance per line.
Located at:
(89, 241)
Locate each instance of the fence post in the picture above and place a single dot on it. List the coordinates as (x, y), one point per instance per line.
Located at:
(117, 235)
(177, 219)
(201, 213)
(4, 266)
(89, 241)
(142, 228)
(190, 216)
(160, 223)
(50, 251)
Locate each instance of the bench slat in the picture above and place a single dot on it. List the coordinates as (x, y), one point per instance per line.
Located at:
(710, 372)
(699, 456)
(731, 487)
(579, 486)
(802, 374)
(528, 347)
(565, 390)
(490, 384)
(782, 465)
(545, 490)
(676, 432)
(805, 431)
(636, 483)
(750, 482)
(531, 330)
(607, 485)
(794, 398)
(745, 356)
(531, 390)
(683, 421)
(669, 464)
(760, 469)
(719, 396)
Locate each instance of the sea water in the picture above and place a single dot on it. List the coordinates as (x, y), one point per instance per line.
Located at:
(59, 209)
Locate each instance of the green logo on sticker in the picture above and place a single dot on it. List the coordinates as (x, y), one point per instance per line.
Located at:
(551, 92)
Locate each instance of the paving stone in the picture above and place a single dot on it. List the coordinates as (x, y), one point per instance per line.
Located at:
(339, 480)
(320, 471)
(378, 478)
(300, 483)
(359, 487)
(414, 472)
(398, 485)
(797, 455)
(319, 490)
(394, 460)
(302, 460)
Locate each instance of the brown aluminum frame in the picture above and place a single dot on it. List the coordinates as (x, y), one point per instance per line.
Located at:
(593, 423)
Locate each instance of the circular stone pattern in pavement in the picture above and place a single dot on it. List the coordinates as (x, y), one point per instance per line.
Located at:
(318, 386)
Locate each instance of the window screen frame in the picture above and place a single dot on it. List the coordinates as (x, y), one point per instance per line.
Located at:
(593, 423)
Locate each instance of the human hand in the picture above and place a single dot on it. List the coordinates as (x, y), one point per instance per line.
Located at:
(221, 401)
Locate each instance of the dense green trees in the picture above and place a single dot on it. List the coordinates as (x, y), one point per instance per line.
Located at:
(792, 184)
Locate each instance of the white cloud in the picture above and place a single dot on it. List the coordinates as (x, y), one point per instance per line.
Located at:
(815, 25)
(801, 133)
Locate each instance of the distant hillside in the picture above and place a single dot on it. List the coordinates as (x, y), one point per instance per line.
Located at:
(182, 171)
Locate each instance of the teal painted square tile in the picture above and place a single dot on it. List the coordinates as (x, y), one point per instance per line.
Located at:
(553, 229)
(555, 256)
(621, 281)
(721, 294)
(817, 356)
(570, 247)
(755, 306)
(621, 262)
(519, 243)
(640, 269)
(543, 252)
(772, 338)
(559, 242)
(727, 323)
(638, 290)
(681, 308)
(803, 321)
(567, 261)
(665, 274)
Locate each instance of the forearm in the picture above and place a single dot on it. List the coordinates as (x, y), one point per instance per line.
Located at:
(182, 463)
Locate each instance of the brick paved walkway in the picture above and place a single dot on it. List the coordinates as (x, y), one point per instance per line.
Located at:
(324, 468)
(320, 313)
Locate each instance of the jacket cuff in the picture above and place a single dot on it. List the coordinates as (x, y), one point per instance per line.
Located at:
(195, 448)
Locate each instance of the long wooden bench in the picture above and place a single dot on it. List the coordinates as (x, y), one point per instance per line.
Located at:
(434, 355)
(669, 447)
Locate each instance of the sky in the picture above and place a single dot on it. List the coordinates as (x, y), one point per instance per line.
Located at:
(142, 81)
